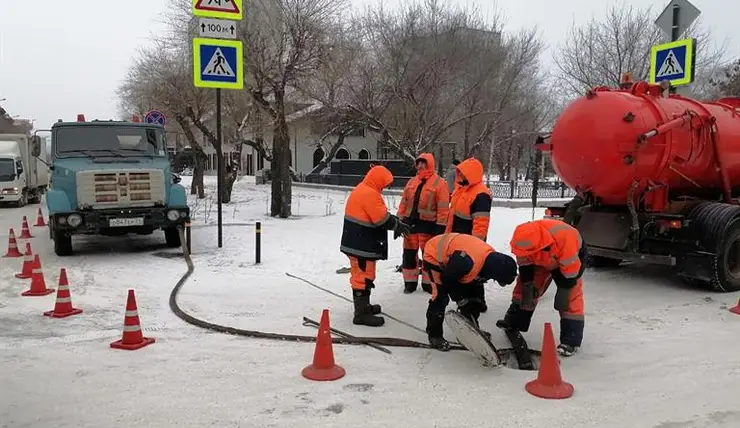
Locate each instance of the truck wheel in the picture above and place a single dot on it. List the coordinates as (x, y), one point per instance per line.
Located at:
(62, 244)
(23, 201)
(726, 276)
(717, 227)
(172, 237)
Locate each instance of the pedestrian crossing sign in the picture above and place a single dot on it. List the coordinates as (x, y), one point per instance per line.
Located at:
(673, 62)
(218, 63)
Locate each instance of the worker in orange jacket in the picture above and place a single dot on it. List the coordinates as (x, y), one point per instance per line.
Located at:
(459, 265)
(425, 207)
(470, 207)
(549, 250)
(365, 240)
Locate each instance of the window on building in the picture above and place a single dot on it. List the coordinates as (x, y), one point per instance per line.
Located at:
(342, 153)
(364, 154)
(260, 162)
(318, 155)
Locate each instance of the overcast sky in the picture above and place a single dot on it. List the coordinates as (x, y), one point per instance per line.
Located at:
(63, 57)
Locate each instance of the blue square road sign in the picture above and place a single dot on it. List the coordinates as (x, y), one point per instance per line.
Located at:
(218, 63)
(673, 62)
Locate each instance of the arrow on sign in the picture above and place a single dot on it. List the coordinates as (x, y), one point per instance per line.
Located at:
(232, 29)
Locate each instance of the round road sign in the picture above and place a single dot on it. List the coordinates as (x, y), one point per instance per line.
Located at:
(155, 116)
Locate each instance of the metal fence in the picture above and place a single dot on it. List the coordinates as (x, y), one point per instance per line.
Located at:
(499, 189)
(523, 190)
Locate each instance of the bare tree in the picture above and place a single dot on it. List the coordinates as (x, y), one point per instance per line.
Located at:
(406, 84)
(161, 77)
(726, 81)
(598, 52)
(288, 41)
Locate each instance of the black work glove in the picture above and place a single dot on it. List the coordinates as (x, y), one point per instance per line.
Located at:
(401, 228)
(562, 299)
(528, 294)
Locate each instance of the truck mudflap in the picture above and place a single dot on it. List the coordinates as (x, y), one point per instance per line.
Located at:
(657, 259)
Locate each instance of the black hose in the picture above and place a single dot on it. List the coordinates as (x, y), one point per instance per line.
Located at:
(382, 341)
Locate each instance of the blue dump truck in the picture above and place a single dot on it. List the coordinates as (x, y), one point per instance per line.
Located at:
(111, 178)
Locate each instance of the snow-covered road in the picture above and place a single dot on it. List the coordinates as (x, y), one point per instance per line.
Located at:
(656, 353)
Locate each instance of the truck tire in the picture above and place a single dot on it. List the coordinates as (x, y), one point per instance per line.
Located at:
(62, 244)
(717, 227)
(726, 276)
(35, 198)
(23, 201)
(172, 237)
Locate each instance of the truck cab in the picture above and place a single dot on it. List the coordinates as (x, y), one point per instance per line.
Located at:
(23, 178)
(111, 178)
(12, 174)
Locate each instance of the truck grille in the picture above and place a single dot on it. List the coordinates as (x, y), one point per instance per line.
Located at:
(112, 189)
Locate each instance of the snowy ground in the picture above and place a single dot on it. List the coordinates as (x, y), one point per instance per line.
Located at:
(656, 354)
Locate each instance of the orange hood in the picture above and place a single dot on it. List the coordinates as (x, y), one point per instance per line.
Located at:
(379, 177)
(529, 238)
(429, 159)
(472, 169)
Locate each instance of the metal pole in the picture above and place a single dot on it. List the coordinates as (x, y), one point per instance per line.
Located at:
(258, 243)
(187, 236)
(674, 34)
(220, 173)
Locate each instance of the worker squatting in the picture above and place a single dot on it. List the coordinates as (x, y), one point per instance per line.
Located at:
(448, 221)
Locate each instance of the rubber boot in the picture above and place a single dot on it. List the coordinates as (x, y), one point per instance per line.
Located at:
(516, 318)
(434, 331)
(409, 287)
(427, 288)
(369, 285)
(364, 311)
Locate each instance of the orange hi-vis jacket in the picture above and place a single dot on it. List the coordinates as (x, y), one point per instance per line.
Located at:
(425, 201)
(440, 248)
(550, 244)
(364, 233)
(470, 209)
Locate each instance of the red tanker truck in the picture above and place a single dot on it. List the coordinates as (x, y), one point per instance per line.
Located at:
(657, 180)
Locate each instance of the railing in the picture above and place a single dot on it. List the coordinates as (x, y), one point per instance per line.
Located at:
(499, 189)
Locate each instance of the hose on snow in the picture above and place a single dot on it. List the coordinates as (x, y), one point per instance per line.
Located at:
(175, 308)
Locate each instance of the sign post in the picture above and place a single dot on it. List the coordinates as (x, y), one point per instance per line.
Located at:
(675, 19)
(218, 64)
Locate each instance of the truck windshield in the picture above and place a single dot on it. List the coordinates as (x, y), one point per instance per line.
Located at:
(118, 141)
(7, 170)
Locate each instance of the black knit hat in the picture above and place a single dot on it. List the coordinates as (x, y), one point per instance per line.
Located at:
(500, 268)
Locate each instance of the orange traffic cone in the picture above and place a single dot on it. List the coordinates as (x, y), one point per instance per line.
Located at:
(12, 245)
(40, 219)
(38, 285)
(549, 382)
(27, 270)
(323, 367)
(25, 231)
(63, 306)
(736, 309)
(133, 338)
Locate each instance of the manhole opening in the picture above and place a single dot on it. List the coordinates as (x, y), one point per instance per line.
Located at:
(509, 360)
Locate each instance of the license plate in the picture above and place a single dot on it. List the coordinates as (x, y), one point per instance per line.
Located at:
(123, 222)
